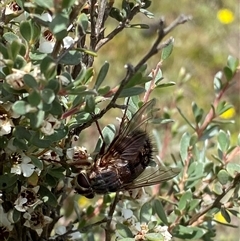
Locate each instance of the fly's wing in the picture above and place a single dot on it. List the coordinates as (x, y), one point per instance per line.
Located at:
(153, 175)
(138, 119)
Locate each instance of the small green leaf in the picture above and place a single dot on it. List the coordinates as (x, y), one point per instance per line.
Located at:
(7, 180)
(146, 13)
(223, 177)
(34, 98)
(166, 52)
(72, 57)
(139, 26)
(223, 107)
(229, 195)
(57, 172)
(36, 162)
(131, 92)
(48, 67)
(185, 200)
(58, 134)
(83, 22)
(21, 132)
(48, 4)
(123, 230)
(36, 118)
(233, 169)
(193, 204)
(67, 3)
(90, 104)
(57, 108)
(108, 133)
(30, 81)
(102, 75)
(15, 48)
(104, 90)
(116, 14)
(47, 196)
(146, 213)
(217, 82)
(48, 96)
(20, 143)
(210, 132)
(20, 107)
(53, 84)
(217, 188)
(41, 143)
(16, 215)
(158, 207)
(197, 112)
(154, 237)
(184, 145)
(164, 85)
(228, 73)
(232, 63)
(226, 215)
(9, 37)
(59, 25)
(223, 141)
(26, 30)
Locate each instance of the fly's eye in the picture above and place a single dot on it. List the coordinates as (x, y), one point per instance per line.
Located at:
(82, 180)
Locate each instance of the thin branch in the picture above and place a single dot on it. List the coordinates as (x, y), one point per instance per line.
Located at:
(119, 28)
(110, 215)
(156, 47)
(181, 19)
(216, 203)
(100, 18)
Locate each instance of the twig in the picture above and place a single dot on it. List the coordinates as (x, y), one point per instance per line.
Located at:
(211, 114)
(216, 203)
(109, 218)
(156, 47)
(119, 28)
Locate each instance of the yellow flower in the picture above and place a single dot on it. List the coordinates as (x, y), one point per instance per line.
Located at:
(219, 217)
(228, 114)
(225, 16)
(83, 201)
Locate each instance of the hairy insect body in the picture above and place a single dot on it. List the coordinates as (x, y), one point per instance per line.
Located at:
(124, 165)
(118, 167)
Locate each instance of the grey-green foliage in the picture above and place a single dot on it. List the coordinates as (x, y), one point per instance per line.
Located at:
(48, 94)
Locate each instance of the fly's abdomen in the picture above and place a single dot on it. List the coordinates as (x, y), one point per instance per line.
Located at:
(105, 181)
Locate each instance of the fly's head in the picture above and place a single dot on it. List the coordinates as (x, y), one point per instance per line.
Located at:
(82, 185)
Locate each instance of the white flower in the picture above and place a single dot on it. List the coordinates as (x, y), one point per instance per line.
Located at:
(6, 125)
(61, 230)
(14, 12)
(7, 106)
(77, 153)
(163, 230)
(47, 40)
(28, 199)
(67, 42)
(15, 79)
(23, 166)
(49, 125)
(36, 220)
